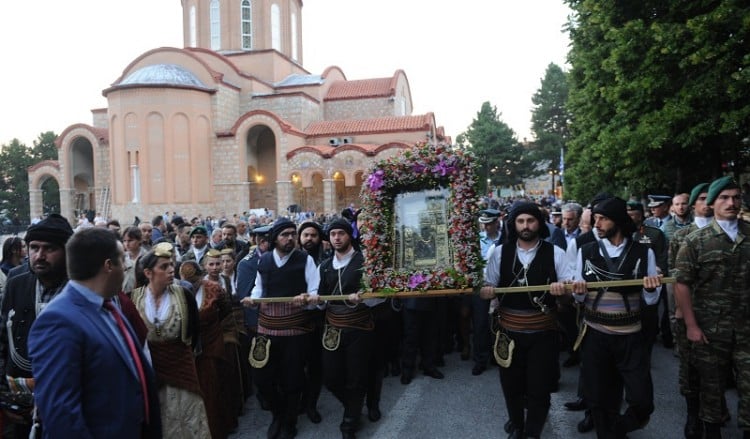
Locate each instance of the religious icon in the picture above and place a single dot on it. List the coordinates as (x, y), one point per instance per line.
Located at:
(420, 226)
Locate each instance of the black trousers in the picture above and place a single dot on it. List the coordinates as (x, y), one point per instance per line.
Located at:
(530, 378)
(481, 335)
(617, 363)
(420, 335)
(346, 370)
(281, 381)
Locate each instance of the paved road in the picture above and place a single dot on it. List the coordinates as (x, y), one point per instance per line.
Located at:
(467, 407)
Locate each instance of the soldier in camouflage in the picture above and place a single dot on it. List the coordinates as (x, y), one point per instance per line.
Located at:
(713, 293)
(689, 379)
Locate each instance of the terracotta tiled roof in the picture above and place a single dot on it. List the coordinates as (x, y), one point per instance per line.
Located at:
(370, 126)
(364, 88)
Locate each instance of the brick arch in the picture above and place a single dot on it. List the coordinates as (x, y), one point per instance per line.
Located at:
(67, 140)
(42, 171)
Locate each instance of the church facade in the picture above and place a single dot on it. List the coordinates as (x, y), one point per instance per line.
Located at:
(231, 122)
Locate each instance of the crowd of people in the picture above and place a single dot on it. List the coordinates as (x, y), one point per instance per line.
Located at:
(182, 321)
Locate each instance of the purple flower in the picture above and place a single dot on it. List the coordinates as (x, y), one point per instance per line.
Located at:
(375, 180)
(418, 168)
(415, 280)
(443, 169)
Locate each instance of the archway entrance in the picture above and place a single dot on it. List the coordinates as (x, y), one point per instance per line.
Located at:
(82, 175)
(260, 156)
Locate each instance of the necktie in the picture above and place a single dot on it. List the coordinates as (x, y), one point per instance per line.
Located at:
(133, 351)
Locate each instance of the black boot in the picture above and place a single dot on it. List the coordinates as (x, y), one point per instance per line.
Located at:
(275, 428)
(587, 424)
(713, 430)
(693, 424)
(349, 427)
(289, 421)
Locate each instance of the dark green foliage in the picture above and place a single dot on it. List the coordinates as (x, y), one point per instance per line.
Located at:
(660, 94)
(494, 143)
(16, 158)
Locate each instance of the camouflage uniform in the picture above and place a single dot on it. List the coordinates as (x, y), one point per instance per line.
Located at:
(717, 270)
(689, 379)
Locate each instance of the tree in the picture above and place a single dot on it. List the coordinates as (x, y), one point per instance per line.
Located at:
(660, 94)
(14, 180)
(496, 147)
(16, 158)
(44, 147)
(550, 118)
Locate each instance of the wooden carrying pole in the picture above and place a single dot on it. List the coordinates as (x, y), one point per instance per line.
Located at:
(503, 290)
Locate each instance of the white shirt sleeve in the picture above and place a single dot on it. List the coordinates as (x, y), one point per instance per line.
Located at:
(312, 276)
(257, 292)
(562, 265)
(492, 270)
(651, 298)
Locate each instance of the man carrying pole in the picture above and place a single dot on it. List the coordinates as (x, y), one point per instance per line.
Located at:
(527, 320)
(613, 349)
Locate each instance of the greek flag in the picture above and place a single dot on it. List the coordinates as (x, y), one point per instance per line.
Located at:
(562, 164)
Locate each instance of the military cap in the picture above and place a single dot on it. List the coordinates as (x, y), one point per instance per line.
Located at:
(199, 230)
(260, 230)
(635, 205)
(719, 185)
(697, 190)
(488, 215)
(658, 200)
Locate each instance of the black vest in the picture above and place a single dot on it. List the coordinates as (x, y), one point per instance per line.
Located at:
(351, 277)
(286, 281)
(541, 271)
(637, 255)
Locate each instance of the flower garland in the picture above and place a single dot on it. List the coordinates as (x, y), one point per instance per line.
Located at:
(426, 166)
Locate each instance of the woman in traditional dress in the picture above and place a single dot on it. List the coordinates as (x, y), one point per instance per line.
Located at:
(171, 316)
(213, 308)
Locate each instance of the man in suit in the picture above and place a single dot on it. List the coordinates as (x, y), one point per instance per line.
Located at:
(93, 379)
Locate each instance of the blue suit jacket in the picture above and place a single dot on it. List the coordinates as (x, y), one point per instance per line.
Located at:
(86, 385)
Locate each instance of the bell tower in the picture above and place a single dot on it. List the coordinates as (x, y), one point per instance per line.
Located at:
(231, 26)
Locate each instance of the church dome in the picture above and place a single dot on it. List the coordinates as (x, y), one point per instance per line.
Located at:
(163, 74)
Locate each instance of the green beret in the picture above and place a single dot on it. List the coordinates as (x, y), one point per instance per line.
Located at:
(697, 190)
(635, 205)
(719, 185)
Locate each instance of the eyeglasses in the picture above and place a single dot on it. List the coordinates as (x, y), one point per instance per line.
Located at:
(163, 250)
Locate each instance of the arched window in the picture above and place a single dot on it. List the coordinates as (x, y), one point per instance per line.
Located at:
(294, 37)
(193, 36)
(215, 19)
(247, 25)
(275, 27)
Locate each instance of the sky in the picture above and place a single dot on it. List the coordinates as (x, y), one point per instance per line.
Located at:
(60, 55)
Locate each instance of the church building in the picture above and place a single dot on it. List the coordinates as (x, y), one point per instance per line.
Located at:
(231, 122)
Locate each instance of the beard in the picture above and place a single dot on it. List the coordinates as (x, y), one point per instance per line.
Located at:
(310, 246)
(528, 235)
